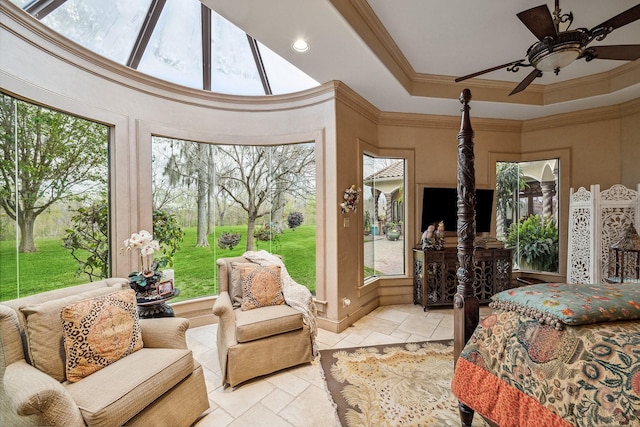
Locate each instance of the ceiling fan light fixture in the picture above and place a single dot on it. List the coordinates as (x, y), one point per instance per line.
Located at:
(554, 54)
(557, 59)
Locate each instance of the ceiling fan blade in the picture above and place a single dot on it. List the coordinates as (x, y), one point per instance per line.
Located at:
(488, 70)
(526, 82)
(539, 21)
(624, 18)
(622, 52)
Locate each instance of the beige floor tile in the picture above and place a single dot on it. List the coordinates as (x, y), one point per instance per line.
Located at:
(259, 415)
(297, 396)
(311, 409)
(238, 400)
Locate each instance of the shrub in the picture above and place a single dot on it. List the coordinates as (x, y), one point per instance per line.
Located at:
(228, 240)
(264, 234)
(168, 234)
(88, 240)
(295, 219)
(537, 241)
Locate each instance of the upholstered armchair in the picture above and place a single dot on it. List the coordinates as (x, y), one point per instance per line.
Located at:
(257, 338)
(148, 377)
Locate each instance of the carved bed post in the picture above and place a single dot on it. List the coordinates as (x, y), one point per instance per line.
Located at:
(466, 309)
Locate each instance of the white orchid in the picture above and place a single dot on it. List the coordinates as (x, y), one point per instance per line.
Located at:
(143, 241)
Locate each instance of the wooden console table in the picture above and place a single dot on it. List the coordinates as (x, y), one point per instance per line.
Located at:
(435, 281)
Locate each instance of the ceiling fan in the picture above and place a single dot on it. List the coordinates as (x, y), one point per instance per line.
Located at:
(556, 49)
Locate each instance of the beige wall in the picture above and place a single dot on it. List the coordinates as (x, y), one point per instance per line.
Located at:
(600, 146)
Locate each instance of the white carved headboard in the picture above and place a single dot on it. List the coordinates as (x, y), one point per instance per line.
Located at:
(596, 221)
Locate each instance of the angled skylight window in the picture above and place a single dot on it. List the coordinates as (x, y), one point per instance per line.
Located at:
(283, 76)
(163, 38)
(108, 28)
(233, 68)
(174, 52)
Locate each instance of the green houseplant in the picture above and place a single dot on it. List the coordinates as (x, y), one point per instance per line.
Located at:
(537, 241)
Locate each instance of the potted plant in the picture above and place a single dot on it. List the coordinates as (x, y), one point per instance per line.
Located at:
(393, 231)
(145, 281)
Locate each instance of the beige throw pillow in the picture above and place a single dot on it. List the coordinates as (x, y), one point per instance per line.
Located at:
(261, 286)
(100, 331)
(45, 338)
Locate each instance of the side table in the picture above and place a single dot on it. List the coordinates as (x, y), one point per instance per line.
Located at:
(150, 309)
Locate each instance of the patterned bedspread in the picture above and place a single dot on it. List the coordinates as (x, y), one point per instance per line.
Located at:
(516, 371)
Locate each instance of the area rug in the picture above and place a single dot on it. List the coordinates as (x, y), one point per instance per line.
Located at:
(393, 385)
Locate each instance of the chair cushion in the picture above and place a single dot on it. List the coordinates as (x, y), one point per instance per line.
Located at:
(43, 330)
(100, 331)
(261, 286)
(266, 321)
(113, 395)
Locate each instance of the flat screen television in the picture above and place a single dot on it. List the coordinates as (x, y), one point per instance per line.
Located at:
(441, 204)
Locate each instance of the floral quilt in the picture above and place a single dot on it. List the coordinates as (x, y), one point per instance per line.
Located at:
(517, 371)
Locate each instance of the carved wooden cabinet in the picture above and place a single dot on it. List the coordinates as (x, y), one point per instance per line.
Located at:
(435, 281)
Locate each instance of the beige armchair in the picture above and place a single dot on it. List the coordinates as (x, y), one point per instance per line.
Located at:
(258, 341)
(160, 384)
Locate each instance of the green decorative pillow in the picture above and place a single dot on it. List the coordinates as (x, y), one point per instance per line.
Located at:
(561, 304)
(261, 286)
(100, 331)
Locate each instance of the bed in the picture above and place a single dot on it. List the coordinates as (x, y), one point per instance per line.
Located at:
(549, 354)
(555, 354)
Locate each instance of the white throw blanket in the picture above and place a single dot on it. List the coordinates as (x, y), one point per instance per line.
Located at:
(295, 294)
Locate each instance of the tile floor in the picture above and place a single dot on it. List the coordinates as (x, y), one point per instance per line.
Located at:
(297, 396)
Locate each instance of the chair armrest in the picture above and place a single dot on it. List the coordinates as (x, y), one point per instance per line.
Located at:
(31, 392)
(227, 325)
(223, 308)
(165, 332)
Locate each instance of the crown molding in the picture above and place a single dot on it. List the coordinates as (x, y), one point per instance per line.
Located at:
(364, 21)
(355, 101)
(447, 122)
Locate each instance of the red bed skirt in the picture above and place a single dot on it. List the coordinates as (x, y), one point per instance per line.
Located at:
(497, 401)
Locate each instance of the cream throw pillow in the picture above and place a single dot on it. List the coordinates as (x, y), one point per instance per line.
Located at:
(100, 331)
(261, 286)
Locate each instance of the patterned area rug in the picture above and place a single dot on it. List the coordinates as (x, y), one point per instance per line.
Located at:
(393, 385)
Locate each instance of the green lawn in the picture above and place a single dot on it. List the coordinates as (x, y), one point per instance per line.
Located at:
(195, 268)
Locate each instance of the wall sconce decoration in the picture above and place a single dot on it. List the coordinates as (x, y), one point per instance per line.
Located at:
(351, 198)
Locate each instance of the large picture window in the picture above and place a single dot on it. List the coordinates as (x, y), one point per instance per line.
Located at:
(53, 199)
(527, 212)
(383, 216)
(228, 199)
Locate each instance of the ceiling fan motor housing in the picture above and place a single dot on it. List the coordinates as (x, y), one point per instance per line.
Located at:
(552, 54)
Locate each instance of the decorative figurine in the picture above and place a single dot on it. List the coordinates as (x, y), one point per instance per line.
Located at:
(432, 238)
(439, 237)
(428, 239)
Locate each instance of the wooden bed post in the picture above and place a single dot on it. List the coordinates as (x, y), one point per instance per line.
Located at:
(466, 308)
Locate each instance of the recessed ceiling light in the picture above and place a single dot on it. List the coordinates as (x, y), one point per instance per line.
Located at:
(300, 45)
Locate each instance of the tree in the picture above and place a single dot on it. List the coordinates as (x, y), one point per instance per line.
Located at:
(508, 177)
(88, 239)
(45, 157)
(187, 163)
(257, 178)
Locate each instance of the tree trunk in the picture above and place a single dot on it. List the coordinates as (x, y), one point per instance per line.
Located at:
(203, 193)
(26, 222)
(251, 226)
